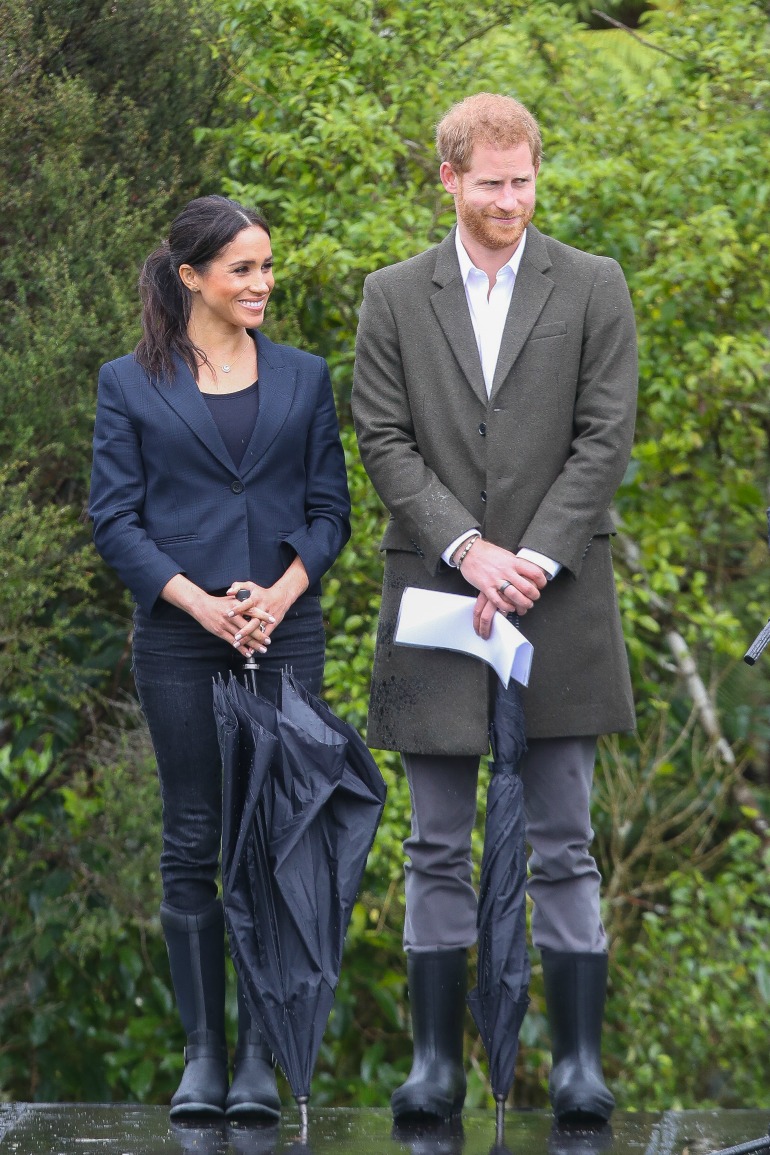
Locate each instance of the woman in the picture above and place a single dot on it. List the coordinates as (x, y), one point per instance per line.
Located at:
(217, 468)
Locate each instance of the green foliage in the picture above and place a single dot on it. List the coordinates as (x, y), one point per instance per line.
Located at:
(82, 971)
(97, 105)
(45, 580)
(654, 155)
(633, 148)
(85, 185)
(688, 1011)
(339, 100)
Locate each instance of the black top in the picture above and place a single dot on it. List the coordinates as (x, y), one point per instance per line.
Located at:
(235, 415)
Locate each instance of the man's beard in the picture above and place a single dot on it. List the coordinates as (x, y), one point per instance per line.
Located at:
(489, 232)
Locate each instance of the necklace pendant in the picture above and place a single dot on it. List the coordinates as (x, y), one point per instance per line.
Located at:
(226, 368)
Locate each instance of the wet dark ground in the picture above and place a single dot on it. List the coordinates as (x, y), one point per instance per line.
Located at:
(83, 1129)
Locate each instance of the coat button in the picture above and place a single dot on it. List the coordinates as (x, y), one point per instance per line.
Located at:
(483, 495)
(237, 487)
(483, 429)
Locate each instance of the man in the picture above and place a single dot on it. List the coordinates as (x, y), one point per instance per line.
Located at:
(494, 403)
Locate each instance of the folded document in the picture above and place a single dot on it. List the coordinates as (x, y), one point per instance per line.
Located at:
(445, 622)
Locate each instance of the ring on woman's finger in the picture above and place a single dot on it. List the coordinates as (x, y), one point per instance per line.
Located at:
(261, 627)
(503, 587)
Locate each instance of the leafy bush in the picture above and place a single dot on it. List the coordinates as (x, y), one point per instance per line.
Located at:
(325, 123)
(688, 1012)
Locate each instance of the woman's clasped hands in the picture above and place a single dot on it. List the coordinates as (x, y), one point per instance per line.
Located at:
(252, 617)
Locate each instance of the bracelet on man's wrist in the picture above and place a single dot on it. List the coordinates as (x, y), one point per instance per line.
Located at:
(466, 549)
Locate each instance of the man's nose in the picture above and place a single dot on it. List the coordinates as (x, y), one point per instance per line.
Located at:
(508, 197)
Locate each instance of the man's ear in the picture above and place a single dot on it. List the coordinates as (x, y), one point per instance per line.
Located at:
(449, 177)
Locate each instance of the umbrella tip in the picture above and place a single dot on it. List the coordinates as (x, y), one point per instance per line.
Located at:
(500, 1118)
(302, 1101)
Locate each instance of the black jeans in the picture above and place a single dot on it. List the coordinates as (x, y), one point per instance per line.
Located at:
(175, 664)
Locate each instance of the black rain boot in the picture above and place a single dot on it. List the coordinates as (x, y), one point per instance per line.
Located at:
(196, 953)
(575, 988)
(436, 1085)
(253, 1094)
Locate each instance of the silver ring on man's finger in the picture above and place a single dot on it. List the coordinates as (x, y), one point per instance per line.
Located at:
(503, 587)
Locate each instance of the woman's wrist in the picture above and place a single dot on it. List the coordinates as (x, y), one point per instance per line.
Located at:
(183, 594)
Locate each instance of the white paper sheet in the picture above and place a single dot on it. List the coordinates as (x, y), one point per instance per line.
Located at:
(445, 622)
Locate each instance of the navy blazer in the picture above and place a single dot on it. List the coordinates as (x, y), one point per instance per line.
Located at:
(166, 497)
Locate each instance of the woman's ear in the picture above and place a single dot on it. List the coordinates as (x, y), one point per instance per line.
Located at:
(189, 278)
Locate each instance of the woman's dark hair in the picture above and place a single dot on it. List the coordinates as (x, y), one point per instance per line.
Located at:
(203, 228)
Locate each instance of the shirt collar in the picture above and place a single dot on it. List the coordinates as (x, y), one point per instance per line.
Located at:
(467, 265)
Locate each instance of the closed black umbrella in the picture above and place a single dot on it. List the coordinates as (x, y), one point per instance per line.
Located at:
(500, 999)
(761, 1144)
(302, 800)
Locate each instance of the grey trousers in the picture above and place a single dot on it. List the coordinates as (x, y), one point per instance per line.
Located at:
(563, 878)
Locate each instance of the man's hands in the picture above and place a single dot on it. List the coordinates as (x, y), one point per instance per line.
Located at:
(489, 567)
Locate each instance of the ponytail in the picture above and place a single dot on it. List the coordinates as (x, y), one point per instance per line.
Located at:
(165, 313)
(200, 232)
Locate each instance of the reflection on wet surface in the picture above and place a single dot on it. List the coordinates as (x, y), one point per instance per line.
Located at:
(79, 1129)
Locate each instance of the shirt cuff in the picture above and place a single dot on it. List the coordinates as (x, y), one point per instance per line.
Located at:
(450, 550)
(550, 566)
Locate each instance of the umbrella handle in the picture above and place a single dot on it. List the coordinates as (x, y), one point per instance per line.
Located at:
(249, 664)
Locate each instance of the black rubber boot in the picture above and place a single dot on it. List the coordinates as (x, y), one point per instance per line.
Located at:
(435, 1089)
(575, 988)
(196, 953)
(253, 1094)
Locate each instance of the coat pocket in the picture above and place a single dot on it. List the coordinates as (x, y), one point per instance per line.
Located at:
(555, 329)
(176, 540)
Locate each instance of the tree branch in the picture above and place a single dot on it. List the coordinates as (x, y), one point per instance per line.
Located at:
(647, 43)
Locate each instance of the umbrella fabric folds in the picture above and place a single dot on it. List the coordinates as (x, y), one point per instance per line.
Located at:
(500, 1000)
(302, 799)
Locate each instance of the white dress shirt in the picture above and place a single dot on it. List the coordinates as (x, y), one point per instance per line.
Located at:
(489, 310)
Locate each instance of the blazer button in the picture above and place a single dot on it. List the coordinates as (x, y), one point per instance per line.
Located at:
(483, 429)
(483, 495)
(237, 487)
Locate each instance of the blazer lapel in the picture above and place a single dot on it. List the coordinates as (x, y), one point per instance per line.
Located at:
(451, 308)
(277, 385)
(184, 396)
(530, 293)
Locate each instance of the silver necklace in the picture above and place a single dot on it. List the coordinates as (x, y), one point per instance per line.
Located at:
(227, 368)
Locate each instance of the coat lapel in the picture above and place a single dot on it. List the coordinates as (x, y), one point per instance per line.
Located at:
(183, 395)
(277, 385)
(530, 293)
(451, 308)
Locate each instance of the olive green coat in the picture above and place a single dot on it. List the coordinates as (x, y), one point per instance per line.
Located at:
(535, 465)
